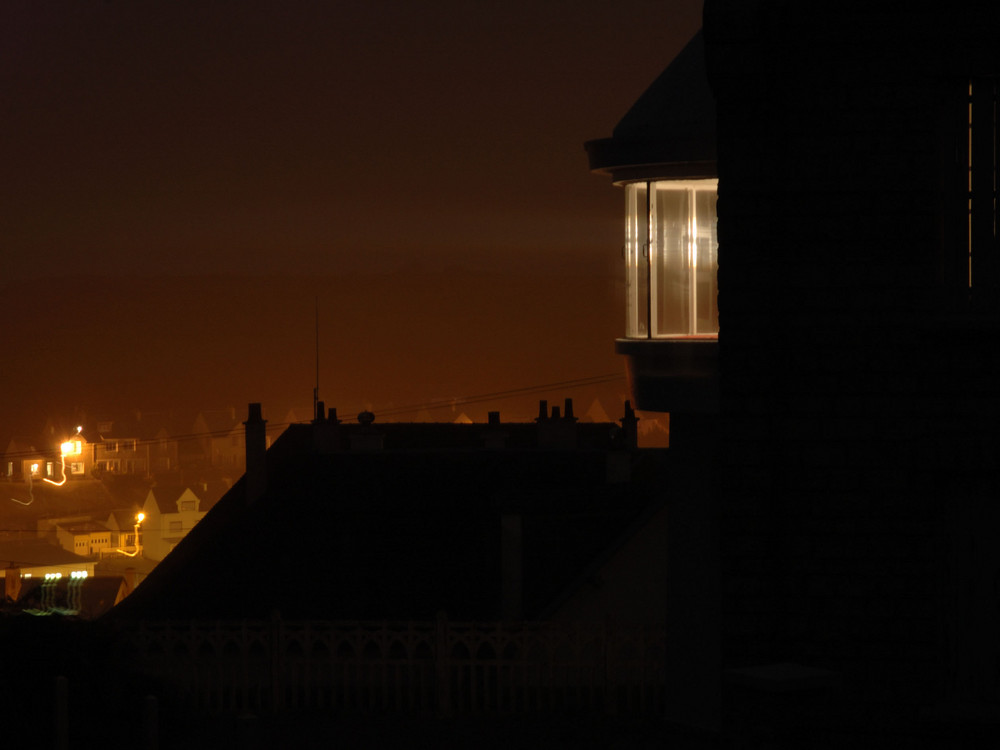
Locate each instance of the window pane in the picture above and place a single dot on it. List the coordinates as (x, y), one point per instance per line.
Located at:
(707, 261)
(671, 282)
(636, 263)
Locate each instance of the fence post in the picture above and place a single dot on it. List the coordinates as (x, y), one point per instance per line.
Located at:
(277, 663)
(610, 699)
(442, 677)
(150, 721)
(61, 711)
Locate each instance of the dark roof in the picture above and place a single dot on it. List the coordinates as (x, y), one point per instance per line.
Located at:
(220, 421)
(166, 496)
(90, 597)
(400, 533)
(31, 553)
(122, 518)
(670, 130)
(83, 527)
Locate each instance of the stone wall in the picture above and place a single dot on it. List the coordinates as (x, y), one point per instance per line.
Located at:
(859, 386)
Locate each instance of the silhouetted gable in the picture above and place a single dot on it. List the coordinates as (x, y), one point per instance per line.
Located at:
(396, 534)
(166, 497)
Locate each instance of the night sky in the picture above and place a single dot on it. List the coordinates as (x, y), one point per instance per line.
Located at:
(184, 181)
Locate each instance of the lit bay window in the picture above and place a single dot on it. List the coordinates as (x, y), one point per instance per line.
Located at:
(663, 153)
(671, 254)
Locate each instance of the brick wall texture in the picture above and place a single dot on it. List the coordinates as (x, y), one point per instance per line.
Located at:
(859, 375)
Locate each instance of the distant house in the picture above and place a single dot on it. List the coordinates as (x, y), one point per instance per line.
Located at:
(170, 513)
(85, 538)
(36, 558)
(219, 432)
(68, 455)
(22, 461)
(164, 452)
(121, 449)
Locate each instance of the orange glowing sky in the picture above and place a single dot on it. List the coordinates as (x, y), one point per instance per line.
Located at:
(184, 179)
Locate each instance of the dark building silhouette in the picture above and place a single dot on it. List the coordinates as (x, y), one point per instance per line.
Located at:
(405, 521)
(850, 474)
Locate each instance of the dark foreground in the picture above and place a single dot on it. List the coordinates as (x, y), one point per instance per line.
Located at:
(258, 733)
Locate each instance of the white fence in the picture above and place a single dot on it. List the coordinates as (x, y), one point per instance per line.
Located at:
(437, 667)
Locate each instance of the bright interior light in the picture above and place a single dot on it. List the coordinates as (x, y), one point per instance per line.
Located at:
(671, 257)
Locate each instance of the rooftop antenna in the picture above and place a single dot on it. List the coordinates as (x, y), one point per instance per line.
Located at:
(316, 414)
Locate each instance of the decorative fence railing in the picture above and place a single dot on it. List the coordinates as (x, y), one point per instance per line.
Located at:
(414, 667)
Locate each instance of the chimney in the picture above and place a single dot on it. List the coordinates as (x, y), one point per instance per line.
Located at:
(630, 427)
(12, 584)
(326, 430)
(366, 437)
(558, 432)
(568, 411)
(256, 442)
(543, 410)
(494, 437)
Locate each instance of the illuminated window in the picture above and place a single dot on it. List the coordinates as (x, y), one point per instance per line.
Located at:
(980, 157)
(76, 467)
(48, 468)
(72, 448)
(671, 254)
(34, 469)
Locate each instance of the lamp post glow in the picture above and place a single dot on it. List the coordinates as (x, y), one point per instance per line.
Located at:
(139, 518)
(136, 547)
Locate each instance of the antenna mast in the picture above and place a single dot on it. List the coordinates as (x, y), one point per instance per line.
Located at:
(316, 414)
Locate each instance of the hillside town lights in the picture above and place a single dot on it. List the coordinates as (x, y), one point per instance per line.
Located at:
(671, 257)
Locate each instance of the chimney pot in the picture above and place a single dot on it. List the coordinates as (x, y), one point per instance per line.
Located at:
(255, 437)
(568, 411)
(543, 410)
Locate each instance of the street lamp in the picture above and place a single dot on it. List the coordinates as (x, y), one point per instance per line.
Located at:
(136, 547)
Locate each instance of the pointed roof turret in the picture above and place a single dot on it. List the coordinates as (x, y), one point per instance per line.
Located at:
(670, 130)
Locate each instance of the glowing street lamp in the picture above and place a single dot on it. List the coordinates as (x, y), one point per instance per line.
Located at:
(136, 546)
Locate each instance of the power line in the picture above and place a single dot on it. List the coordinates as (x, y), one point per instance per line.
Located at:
(390, 411)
